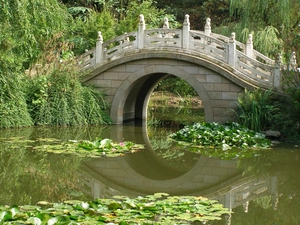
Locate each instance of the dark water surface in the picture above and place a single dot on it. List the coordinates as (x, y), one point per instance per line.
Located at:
(261, 187)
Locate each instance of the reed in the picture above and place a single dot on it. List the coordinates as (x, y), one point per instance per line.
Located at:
(57, 97)
(255, 109)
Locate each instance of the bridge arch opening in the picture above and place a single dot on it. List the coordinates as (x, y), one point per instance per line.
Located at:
(174, 102)
(131, 99)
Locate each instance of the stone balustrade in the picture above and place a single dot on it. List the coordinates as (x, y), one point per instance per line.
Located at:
(251, 64)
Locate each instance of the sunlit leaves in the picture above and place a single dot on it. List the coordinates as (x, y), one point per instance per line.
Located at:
(220, 135)
(100, 147)
(159, 208)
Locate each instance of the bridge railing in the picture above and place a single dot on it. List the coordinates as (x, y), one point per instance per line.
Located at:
(242, 57)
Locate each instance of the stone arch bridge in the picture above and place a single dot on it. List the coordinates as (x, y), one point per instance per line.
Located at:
(128, 67)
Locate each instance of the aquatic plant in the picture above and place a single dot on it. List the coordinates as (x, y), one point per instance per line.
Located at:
(159, 208)
(85, 148)
(255, 109)
(226, 136)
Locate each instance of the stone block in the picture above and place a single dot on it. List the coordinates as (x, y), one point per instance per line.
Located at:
(235, 88)
(221, 103)
(200, 77)
(191, 69)
(209, 86)
(103, 83)
(116, 83)
(214, 95)
(110, 75)
(222, 87)
(214, 78)
(133, 67)
(119, 68)
(229, 95)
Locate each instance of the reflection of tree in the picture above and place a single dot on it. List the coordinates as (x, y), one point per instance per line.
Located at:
(282, 207)
(27, 177)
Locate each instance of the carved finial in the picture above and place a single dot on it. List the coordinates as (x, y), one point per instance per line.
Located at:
(166, 23)
(186, 19)
(250, 41)
(100, 38)
(232, 37)
(207, 27)
(293, 61)
(142, 20)
(207, 23)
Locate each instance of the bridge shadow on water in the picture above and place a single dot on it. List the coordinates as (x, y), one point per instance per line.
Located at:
(156, 170)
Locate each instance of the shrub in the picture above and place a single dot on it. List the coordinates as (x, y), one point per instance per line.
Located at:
(255, 109)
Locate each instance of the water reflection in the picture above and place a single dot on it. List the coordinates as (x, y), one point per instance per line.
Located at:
(261, 188)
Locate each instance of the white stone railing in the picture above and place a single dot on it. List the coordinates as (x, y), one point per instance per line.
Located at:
(253, 65)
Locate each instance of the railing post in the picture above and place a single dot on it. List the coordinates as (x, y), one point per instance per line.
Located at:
(232, 51)
(277, 73)
(249, 47)
(293, 62)
(99, 49)
(166, 23)
(186, 32)
(141, 32)
(207, 27)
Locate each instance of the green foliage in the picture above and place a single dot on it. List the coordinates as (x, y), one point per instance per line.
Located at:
(174, 85)
(154, 17)
(273, 23)
(26, 176)
(159, 208)
(288, 120)
(58, 98)
(255, 110)
(225, 136)
(84, 32)
(13, 108)
(267, 40)
(85, 148)
(31, 23)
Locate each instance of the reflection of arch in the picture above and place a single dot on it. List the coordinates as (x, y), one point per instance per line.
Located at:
(206, 172)
(143, 81)
(211, 177)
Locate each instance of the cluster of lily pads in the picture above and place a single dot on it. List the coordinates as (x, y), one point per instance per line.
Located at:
(99, 147)
(227, 136)
(159, 208)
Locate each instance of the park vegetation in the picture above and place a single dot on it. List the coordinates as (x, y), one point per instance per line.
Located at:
(159, 208)
(41, 85)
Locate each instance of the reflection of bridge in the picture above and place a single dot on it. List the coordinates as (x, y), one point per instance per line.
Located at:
(132, 175)
(217, 67)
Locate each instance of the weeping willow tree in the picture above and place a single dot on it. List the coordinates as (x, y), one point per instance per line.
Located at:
(27, 28)
(273, 23)
(25, 25)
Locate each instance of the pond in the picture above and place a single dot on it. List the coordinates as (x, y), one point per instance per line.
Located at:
(260, 187)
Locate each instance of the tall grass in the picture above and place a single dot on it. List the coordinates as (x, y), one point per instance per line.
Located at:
(255, 109)
(13, 108)
(57, 97)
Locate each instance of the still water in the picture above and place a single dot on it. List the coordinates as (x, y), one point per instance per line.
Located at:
(261, 187)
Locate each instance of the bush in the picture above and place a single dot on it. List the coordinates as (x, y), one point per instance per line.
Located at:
(255, 109)
(57, 97)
